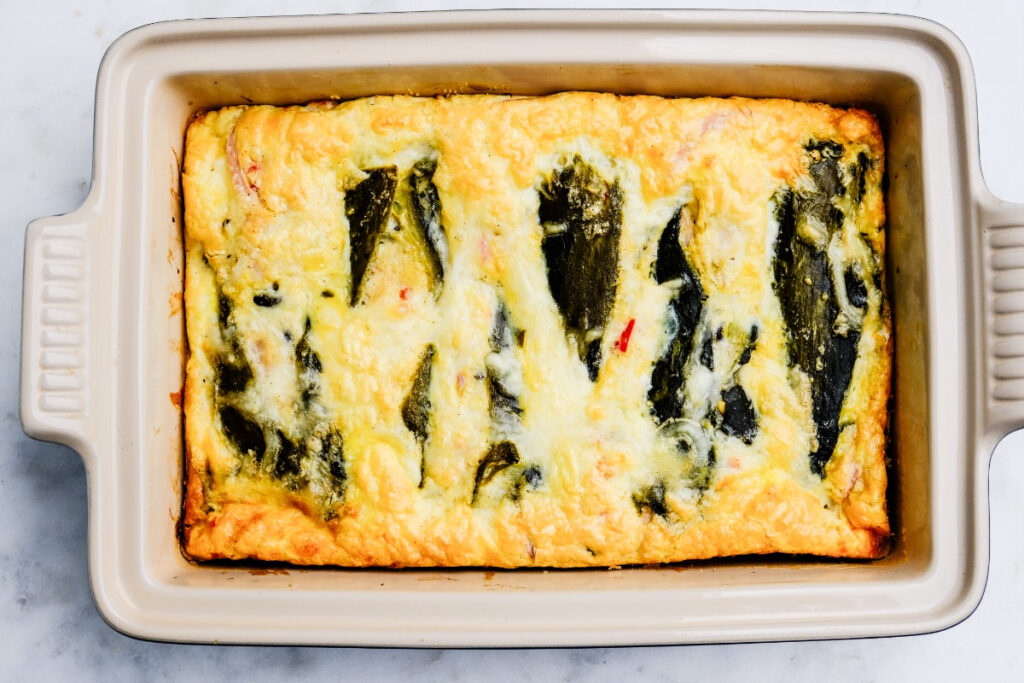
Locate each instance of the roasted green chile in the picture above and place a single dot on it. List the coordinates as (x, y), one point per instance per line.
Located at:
(416, 407)
(368, 207)
(313, 451)
(426, 208)
(581, 214)
(821, 340)
(499, 456)
(668, 378)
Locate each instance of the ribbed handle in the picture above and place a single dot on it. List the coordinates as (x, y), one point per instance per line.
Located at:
(1003, 278)
(54, 343)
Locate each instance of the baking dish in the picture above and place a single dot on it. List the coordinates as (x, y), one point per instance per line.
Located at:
(103, 341)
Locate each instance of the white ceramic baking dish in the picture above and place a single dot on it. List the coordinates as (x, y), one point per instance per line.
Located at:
(103, 341)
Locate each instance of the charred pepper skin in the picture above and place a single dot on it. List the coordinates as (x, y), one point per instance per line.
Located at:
(530, 479)
(288, 463)
(330, 451)
(416, 407)
(738, 417)
(693, 344)
(263, 444)
(500, 456)
(367, 207)
(651, 498)
(505, 412)
(244, 433)
(308, 367)
(426, 209)
(668, 377)
(504, 404)
(582, 217)
(232, 375)
(856, 290)
(803, 282)
(233, 372)
(265, 300)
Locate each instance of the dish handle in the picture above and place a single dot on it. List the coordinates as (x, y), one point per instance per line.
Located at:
(54, 341)
(1002, 273)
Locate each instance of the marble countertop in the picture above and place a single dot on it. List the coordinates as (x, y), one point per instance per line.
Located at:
(50, 51)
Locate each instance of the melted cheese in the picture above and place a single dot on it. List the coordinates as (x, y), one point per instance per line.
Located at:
(334, 474)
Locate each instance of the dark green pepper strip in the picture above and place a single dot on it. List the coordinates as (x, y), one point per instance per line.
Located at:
(243, 432)
(499, 456)
(804, 286)
(651, 498)
(668, 378)
(738, 418)
(426, 207)
(582, 216)
(308, 367)
(368, 206)
(504, 405)
(416, 407)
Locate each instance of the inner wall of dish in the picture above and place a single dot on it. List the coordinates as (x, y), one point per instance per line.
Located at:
(893, 98)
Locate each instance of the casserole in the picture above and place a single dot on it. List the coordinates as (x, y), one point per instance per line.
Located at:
(475, 399)
(103, 340)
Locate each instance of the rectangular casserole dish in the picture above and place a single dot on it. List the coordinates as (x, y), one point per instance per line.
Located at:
(103, 340)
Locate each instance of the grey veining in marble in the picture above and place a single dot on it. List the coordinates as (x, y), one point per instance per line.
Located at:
(49, 53)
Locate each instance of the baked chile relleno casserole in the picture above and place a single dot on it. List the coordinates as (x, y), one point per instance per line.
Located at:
(574, 330)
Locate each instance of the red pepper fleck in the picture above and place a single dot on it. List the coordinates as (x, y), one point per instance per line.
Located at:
(403, 294)
(623, 343)
(253, 168)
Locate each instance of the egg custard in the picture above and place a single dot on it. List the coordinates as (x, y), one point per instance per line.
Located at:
(575, 330)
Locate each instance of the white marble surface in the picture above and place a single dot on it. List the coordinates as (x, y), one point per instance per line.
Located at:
(49, 627)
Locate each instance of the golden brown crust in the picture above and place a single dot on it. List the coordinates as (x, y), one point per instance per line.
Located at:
(265, 191)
